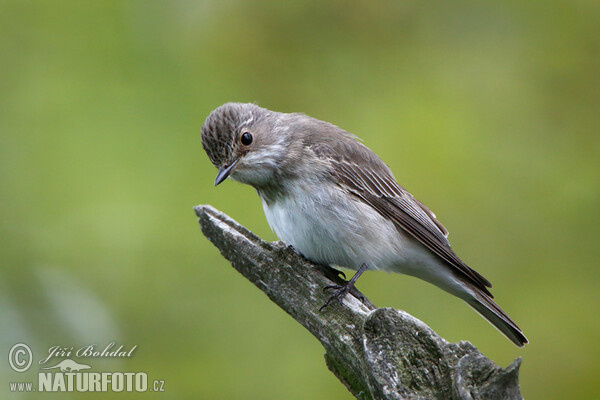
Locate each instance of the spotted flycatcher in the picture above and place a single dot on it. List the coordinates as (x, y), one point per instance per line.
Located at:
(332, 199)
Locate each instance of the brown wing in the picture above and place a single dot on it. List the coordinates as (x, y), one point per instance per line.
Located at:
(364, 175)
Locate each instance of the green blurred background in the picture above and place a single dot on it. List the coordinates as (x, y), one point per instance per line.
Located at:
(487, 112)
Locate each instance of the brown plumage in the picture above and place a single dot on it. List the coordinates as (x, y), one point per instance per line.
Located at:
(323, 191)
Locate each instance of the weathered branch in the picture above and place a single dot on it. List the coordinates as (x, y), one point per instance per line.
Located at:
(378, 353)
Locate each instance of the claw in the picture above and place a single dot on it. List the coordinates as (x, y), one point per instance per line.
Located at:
(337, 271)
(342, 290)
(331, 287)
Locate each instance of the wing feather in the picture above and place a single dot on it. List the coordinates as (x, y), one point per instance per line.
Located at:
(362, 173)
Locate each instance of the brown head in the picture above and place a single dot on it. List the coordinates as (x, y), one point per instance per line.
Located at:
(242, 142)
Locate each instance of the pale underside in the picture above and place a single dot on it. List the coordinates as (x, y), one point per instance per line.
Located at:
(331, 227)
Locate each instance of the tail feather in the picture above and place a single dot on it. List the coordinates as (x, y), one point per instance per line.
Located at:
(489, 310)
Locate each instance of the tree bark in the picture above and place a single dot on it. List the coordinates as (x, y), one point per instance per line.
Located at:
(377, 353)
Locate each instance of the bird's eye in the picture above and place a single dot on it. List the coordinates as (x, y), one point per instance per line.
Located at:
(246, 139)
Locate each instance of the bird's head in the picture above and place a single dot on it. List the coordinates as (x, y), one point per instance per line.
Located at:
(244, 142)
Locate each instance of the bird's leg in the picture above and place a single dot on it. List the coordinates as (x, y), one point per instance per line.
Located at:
(342, 290)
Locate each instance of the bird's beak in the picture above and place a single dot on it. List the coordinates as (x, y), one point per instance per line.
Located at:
(224, 172)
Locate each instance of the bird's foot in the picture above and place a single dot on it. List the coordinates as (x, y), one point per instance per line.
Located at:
(338, 272)
(340, 291)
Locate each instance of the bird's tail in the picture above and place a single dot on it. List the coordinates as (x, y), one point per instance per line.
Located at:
(489, 310)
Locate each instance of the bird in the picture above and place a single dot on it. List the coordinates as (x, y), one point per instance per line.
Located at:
(333, 200)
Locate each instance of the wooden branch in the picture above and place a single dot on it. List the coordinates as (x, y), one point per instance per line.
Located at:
(377, 353)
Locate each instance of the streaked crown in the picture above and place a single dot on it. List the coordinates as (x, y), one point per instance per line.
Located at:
(223, 127)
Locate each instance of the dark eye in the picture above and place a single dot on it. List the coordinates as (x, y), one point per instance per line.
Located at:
(246, 139)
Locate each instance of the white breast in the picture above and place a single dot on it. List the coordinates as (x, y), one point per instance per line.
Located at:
(329, 226)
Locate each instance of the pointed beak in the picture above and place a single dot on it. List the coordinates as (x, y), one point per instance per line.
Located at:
(224, 172)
